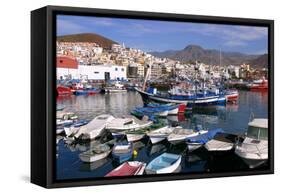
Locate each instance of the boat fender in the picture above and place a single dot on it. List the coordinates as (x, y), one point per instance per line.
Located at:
(135, 153)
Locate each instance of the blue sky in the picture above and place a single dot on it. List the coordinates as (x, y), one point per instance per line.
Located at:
(162, 35)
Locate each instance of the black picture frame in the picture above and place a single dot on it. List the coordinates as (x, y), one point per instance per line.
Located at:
(43, 95)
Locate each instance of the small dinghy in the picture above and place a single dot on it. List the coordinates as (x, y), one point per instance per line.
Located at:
(95, 127)
(99, 152)
(179, 134)
(165, 163)
(122, 151)
(161, 134)
(199, 140)
(128, 169)
(219, 144)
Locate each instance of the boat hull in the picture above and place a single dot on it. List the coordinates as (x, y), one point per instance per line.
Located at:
(124, 156)
(155, 139)
(93, 158)
(193, 146)
(128, 169)
(218, 146)
(134, 137)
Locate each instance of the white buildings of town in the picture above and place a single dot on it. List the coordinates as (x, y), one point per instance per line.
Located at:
(71, 69)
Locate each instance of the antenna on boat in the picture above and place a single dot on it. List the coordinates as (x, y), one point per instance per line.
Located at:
(147, 75)
(252, 116)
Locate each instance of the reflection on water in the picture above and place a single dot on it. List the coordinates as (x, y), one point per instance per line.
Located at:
(232, 118)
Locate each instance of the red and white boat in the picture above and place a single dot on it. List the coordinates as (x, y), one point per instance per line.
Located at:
(259, 85)
(231, 95)
(63, 91)
(128, 169)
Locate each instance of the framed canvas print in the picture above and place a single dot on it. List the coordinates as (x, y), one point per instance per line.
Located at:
(125, 96)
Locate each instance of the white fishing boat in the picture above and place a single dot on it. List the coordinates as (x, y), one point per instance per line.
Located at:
(117, 88)
(99, 152)
(254, 149)
(95, 127)
(219, 144)
(119, 125)
(179, 134)
(165, 163)
(158, 135)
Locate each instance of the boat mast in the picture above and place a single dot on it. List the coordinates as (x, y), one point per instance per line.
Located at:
(147, 75)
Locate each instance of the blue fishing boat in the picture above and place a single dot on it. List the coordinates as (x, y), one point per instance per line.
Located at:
(197, 141)
(80, 92)
(172, 108)
(198, 99)
(122, 151)
(159, 111)
(165, 163)
(80, 123)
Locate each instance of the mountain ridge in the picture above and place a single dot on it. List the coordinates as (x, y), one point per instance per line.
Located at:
(192, 53)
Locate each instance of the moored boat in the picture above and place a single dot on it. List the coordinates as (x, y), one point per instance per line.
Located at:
(258, 85)
(63, 91)
(95, 127)
(129, 123)
(160, 134)
(173, 109)
(128, 169)
(254, 149)
(133, 136)
(199, 140)
(179, 134)
(70, 130)
(231, 95)
(122, 151)
(219, 144)
(165, 163)
(96, 153)
(117, 88)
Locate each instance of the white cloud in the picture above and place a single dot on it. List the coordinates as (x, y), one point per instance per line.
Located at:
(234, 43)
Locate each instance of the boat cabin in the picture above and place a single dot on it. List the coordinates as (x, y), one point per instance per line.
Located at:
(258, 129)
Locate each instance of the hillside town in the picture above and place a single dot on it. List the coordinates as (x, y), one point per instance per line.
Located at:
(88, 60)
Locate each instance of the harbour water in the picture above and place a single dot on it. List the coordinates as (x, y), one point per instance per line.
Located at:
(232, 118)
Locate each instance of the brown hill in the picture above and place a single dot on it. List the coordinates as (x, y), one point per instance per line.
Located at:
(87, 37)
(260, 62)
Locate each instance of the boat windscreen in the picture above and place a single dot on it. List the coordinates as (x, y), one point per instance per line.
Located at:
(257, 133)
